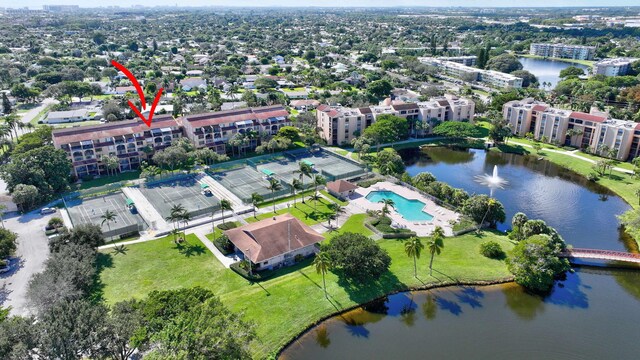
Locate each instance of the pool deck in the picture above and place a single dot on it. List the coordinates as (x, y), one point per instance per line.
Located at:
(441, 216)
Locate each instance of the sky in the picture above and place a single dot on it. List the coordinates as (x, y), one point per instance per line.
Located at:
(37, 4)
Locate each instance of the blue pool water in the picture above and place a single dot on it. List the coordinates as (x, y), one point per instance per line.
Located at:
(409, 209)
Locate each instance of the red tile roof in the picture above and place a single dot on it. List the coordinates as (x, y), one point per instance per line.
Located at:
(116, 128)
(587, 117)
(231, 116)
(272, 237)
(539, 108)
(340, 186)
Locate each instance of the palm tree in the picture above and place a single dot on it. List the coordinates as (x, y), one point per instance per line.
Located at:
(323, 264)
(491, 202)
(175, 215)
(337, 210)
(386, 204)
(274, 185)
(108, 217)
(304, 169)
(413, 247)
(317, 180)
(225, 205)
(255, 200)
(184, 218)
(435, 245)
(296, 185)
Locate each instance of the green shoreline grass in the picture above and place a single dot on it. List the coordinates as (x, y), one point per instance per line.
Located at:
(286, 305)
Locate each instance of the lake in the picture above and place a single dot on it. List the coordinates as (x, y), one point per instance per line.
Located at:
(546, 69)
(592, 314)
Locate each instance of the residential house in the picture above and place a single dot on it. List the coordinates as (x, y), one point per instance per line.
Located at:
(193, 83)
(341, 188)
(303, 105)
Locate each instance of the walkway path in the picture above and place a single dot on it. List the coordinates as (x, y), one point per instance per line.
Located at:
(602, 255)
(572, 154)
(201, 233)
(26, 117)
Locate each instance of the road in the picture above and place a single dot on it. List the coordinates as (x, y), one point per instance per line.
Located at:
(31, 114)
(33, 250)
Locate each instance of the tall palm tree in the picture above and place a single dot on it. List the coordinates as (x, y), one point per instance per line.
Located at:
(435, 245)
(274, 185)
(323, 264)
(304, 169)
(317, 181)
(296, 185)
(386, 204)
(185, 217)
(175, 215)
(108, 217)
(490, 203)
(255, 200)
(337, 209)
(225, 205)
(413, 247)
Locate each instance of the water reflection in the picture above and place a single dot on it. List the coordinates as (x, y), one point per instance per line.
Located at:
(525, 305)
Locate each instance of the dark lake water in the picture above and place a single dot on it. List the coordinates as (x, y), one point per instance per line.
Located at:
(583, 212)
(547, 70)
(592, 314)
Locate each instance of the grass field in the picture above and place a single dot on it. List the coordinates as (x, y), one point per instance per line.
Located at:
(308, 212)
(104, 180)
(286, 304)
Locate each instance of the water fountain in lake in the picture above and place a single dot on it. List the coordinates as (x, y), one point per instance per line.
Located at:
(493, 181)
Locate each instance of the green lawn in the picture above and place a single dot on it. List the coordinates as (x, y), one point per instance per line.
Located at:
(125, 176)
(354, 224)
(308, 212)
(333, 198)
(285, 199)
(284, 305)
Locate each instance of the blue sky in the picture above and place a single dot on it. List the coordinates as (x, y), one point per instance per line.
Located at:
(387, 3)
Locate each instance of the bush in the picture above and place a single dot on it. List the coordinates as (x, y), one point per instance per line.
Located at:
(224, 245)
(55, 222)
(227, 225)
(492, 250)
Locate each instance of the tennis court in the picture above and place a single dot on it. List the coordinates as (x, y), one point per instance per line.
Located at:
(245, 181)
(90, 211)
(186, 191)
(329, 165)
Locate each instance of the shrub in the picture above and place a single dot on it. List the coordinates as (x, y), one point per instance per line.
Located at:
(227, 226)
(358, 256)
(55, 222)
(224, 245)
(492, 250)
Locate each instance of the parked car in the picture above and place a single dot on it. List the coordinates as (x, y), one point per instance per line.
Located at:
(45, 211)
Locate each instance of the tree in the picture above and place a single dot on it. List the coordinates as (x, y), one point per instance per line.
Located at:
(483, 208)
(274, 185)
(45, 168)
(500, 130)
(296, 185)
(8, 243)
(505, 63)
(517, 222)
(264, 83)
(435, 244)
(125, 330)
(413, 247)
(323, 263)
(25, 196)
(357, 256)
(361, 145)
(386, 204)
(6, 104)
(289, 132)
(318, 180)
(255, 200)
(456, 129)
(491, 249)
(89, 235)
(387, 129)
(535, 262)
(225, 205)
(571, 71)
(422, 180)
(108, 217)
(379, 88)
(304, 169)
(175, 215)
(389, 162)
(528, 79)
(18, 338)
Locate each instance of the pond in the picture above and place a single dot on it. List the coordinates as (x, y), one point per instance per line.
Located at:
(590, 314)
(547, 70)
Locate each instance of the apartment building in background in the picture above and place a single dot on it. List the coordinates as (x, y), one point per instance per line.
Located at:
(339, 125)
(130, 141)
(466, 73)
(563, 51)
(613, 67)
(213, 130)
(594, 131)
(470, 60)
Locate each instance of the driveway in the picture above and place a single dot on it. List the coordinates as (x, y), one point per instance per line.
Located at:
(33, 250)
(31, 114)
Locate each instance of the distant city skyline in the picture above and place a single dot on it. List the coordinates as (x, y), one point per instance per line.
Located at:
(37, 4)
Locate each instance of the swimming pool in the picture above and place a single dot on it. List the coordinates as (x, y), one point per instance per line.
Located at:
(411, 210)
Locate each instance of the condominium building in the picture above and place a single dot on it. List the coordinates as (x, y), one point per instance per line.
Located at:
(464, 60)
(470, 74)
(213, 130)
(339, 125)
(130, 141)
(613, 67)
(563, 51)
(593, 131)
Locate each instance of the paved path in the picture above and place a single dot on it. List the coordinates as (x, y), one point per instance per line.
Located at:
(225, 260)
(26, 117)
(32, 252)
(573, 153)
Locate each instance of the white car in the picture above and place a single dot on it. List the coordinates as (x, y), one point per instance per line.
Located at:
(45, 211)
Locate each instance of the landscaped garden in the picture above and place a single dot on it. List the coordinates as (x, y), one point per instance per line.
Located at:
(287, 303)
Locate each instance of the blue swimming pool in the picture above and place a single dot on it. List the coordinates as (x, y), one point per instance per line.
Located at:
(409, 209)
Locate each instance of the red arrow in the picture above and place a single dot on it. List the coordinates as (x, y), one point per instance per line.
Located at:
(143, 102)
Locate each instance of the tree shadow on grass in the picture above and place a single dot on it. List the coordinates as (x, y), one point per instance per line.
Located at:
(364, 290)
(189, 250)
(103, 261)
